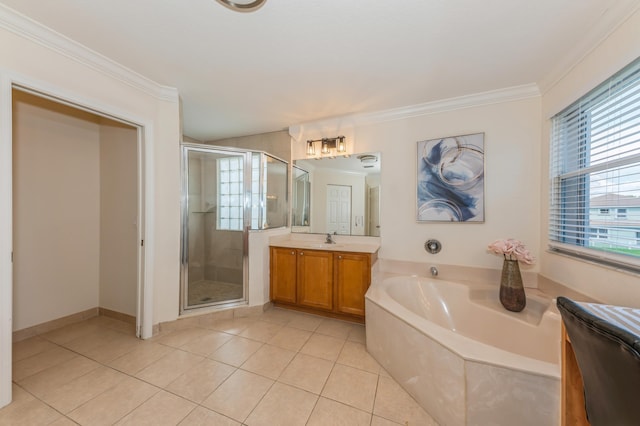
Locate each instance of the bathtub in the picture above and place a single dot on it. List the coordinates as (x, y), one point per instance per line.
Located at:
(461, 355)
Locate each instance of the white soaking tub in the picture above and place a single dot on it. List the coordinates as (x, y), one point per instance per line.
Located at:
(462, 356)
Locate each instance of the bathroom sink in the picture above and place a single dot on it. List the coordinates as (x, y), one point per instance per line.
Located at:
(324, 246)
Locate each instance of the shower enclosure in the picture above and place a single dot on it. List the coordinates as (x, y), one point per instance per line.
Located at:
(226, 193)
(301, 197)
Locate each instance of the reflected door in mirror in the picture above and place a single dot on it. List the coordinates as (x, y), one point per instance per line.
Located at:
(374, 211)
(339, 209)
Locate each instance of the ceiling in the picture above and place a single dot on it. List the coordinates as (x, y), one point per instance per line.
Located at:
(295, 61)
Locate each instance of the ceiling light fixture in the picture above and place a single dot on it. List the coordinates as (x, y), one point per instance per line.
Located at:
(327, 145)
(242, 5)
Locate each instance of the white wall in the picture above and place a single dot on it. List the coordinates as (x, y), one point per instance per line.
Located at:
(259, 292)
(24, 61)
(75, 208)
(512, 181)
(277, 144)
(56, 211)
(601, 283)
(118, 217)
(42, 60)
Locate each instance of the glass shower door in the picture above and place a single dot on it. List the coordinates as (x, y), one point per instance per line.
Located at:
(215, 222)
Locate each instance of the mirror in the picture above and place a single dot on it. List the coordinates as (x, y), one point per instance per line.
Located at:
(338, 195)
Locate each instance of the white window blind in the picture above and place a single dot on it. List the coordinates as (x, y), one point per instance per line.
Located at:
(595, 173)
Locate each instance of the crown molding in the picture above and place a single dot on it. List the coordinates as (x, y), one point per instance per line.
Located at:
(508, 94)
(610, 21)
(27, 28)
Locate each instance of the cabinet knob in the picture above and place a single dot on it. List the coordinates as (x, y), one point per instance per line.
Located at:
(293, 252)
(339, 257)
(301, 254)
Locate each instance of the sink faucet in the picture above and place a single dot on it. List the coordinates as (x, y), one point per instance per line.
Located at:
(329, 240)
(434, 271)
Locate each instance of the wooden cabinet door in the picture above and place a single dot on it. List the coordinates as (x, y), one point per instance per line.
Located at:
(283, 274)
(315, 279)
(352, 279)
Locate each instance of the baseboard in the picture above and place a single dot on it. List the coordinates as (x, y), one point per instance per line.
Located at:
(129, 319)
(196, 319)
(45, 327)
(48, 326)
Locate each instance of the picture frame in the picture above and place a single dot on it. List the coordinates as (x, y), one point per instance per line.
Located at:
(450, 179)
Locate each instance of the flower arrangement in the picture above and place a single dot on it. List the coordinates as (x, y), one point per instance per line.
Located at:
(512, 249)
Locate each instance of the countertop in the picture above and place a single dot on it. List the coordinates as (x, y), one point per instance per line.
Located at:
(318, 245)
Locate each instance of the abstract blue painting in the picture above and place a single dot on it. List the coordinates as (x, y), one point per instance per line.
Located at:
(451, 179)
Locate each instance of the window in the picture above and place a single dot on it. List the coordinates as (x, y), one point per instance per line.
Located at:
(595, 167)
(267, 173)
(230, 193)
(600, 233)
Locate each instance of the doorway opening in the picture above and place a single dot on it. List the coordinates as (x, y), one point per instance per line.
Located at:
(77, 213)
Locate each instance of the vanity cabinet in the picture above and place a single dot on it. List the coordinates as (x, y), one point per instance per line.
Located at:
(325, 282)
(352, 279)
(315, 279)
(283, 266)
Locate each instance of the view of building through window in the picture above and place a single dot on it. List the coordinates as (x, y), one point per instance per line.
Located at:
(595, 168)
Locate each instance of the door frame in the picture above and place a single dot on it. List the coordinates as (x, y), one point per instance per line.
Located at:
(185, 148)
(144, 314)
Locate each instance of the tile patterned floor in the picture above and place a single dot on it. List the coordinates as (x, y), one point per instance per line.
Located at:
(279, 368)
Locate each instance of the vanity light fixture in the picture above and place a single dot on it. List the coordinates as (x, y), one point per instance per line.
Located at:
(242, 5)
(326, 145)
(311, 151)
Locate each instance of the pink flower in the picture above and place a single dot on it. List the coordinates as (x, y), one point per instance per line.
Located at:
(512, 249)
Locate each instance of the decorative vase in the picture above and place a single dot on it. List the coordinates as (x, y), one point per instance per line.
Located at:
(512, 294)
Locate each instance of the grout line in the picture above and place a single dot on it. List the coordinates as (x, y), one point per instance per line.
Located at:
(207, 357)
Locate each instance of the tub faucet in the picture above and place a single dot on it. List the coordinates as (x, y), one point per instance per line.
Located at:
(329, 240)
(434, 271)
